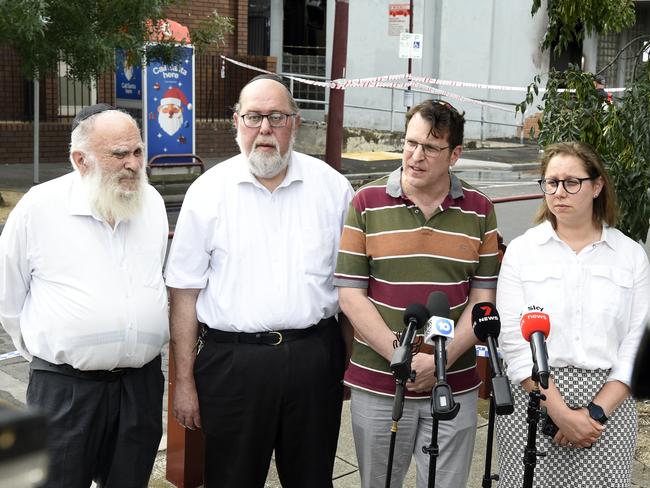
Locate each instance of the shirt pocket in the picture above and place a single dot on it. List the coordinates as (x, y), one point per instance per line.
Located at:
(611, 291)
(319, 245)
(146, 268)
(542, 284)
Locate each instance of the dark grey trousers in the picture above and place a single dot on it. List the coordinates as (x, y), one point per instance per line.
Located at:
(106, 431)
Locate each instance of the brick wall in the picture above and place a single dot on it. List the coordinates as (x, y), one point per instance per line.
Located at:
(17, 142)
(531, 122)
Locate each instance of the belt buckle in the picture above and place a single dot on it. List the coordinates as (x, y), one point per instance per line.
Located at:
(279, 334)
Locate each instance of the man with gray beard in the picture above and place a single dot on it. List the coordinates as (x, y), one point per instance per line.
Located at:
(83, 299)
(259, 353)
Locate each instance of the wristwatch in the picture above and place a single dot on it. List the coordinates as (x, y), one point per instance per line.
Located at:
(597, 413)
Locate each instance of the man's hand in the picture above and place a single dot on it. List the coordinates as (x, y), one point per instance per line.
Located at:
(424, 367)
(186, 405)
(577, 428)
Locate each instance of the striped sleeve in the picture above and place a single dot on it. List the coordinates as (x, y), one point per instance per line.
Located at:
(488, 267)
(352, 269)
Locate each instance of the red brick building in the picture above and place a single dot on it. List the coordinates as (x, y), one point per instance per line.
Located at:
(60, 98)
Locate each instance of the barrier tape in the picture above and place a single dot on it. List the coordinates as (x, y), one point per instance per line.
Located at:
(9, 355)
(380, 82)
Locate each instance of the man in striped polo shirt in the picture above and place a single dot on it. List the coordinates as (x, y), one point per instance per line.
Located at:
(418, 230)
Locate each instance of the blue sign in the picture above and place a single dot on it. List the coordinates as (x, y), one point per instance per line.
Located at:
(128, 79)
(169, 107)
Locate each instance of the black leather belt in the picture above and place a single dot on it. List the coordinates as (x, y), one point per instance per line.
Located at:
(270, 338)
(65, 369)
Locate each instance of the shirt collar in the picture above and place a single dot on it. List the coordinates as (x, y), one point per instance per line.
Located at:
(394, 185)
(545, 232)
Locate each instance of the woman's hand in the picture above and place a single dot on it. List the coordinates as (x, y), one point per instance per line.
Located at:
(577, 428)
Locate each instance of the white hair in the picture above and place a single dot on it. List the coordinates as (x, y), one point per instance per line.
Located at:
(80, 137)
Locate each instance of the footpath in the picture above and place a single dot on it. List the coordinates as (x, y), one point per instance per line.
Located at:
(14, 369)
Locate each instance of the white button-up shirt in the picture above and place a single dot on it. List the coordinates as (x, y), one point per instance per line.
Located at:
(75, 291)
(597, 301)
(263, 261)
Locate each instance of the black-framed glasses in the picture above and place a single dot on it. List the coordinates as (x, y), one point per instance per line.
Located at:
(571, 185)
(428, 150)
(253, 120)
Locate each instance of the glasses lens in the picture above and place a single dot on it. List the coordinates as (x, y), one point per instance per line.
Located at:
(431, 151)
(277, 120)
(252, 120)
(572, 185)
(548, 186)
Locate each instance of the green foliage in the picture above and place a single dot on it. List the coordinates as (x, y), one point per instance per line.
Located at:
(85, 33)
(573, 111)
(572, 20)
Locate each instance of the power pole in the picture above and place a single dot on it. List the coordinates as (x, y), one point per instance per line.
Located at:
(335, 111)
(408, 94)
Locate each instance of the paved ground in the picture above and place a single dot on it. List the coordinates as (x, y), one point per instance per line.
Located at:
(14, 370)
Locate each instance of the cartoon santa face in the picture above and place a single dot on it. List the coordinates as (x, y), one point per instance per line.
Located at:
(170, 110)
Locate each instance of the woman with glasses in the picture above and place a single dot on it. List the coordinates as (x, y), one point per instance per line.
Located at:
(593, 283)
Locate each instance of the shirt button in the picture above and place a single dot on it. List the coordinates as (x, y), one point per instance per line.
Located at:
(417, 211)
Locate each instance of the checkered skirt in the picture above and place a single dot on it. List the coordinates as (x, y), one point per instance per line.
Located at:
(607, 464)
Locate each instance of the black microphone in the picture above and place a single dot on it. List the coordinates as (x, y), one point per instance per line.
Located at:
(440, 329)
(415, 316)
(487, 326)
(535, 327)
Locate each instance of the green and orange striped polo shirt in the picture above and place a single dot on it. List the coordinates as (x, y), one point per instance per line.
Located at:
(390, 248)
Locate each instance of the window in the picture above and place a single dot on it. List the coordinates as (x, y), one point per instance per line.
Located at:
(74, 95)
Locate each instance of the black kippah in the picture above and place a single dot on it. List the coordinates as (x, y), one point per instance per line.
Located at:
(268, 76)
(86, 112)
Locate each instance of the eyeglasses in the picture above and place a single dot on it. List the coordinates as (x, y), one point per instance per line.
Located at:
(571, 185)
(429, 151)
(276, 120)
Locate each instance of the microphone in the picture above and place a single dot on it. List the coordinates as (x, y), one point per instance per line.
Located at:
(535, 327)
(440, 328)
(487, 326)
(415, 316)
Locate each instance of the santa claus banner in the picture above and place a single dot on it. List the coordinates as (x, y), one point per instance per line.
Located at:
(128, 82)
(169, 89)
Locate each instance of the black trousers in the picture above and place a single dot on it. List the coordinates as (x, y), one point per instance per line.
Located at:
(257, 398)
(106, 431)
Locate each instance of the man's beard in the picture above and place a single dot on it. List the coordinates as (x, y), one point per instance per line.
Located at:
(108, 199)
(170, 125)
(267, 164)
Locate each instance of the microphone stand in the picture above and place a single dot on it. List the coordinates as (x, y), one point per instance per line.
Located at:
(443, 406)
(401, 368)
(501, 403)
(533, 417)
(488, 477)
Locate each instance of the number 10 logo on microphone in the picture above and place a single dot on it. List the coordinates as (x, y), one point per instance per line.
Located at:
(445, 327)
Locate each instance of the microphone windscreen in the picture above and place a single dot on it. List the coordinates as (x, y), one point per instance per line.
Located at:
(485, 321)
(532, 322)
(438, 304)
(418, 312)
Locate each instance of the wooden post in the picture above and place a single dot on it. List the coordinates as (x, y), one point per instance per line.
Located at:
(184, 446)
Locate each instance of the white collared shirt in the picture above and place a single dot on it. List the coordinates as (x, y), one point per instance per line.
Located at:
(597, 300)
(75, 291)
(263, 261)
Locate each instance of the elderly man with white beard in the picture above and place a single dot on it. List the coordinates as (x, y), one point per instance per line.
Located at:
(259, 353)
(83, 299)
